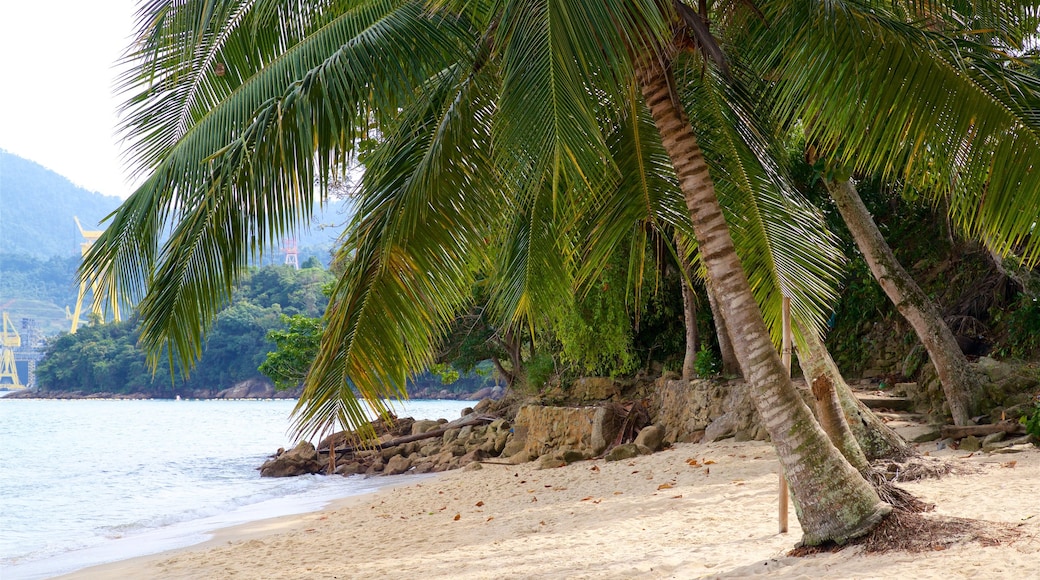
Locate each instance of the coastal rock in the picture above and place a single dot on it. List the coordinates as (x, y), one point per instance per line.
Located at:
(539, 430)
(423, 426)
(300, 460)
(397, 465)
(595, 389)
(626, 451)
(651, 437)
(688, 408)
(251, 389)
(970, 443)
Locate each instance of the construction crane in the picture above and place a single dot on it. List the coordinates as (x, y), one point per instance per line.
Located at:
(90, 236)
(9, 341)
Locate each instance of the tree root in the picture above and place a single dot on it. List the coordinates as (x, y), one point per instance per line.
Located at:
(913, 532)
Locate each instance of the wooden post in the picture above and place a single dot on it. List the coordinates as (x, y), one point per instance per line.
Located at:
(785, 356)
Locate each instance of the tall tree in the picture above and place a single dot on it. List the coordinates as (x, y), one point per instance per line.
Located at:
(966, 155)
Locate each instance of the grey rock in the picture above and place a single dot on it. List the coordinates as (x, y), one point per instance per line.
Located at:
(300, 460)
(570, 456)
(626, 451)
(604, 430)
(970, 443)
(396, 465)
(651, 436)
(722, 427)
(993, 438)
(423, 426)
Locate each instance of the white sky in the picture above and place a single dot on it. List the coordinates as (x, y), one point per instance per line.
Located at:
(57, 74)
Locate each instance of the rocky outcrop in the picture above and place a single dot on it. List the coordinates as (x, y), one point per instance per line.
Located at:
(565, 433)
(705, 410)
(300, 460)
(254, 389)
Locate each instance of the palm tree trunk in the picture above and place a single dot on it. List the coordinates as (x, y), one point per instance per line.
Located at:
(875, 439)
(832, 500)
(689, 300)
(730, 365)
(959, 380)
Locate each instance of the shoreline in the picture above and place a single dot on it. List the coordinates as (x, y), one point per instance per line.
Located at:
(696, 510)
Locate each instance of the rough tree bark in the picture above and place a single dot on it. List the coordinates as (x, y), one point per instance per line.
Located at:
(730, 365)
(832, 500)
(959, 380)
(690, 317)
(876, 439)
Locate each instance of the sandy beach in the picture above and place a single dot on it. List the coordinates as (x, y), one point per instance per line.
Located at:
(692, 511)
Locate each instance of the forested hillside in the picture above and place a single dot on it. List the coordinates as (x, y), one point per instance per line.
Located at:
(37, 206)
(40, 242)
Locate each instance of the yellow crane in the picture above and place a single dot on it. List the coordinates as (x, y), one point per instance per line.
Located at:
(90, 236)
(9, 340)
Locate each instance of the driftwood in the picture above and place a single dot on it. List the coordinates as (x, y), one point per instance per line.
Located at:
(954, 432)
(472, 419)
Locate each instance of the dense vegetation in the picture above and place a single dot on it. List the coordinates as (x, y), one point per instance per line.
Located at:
(105, 358)
(38, 207)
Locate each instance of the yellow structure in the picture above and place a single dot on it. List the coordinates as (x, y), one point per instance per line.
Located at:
(90, 236)
(9, 340)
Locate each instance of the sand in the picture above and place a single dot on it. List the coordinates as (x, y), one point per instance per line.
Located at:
(689, 512)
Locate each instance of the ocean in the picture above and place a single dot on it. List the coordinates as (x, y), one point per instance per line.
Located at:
(85, 482)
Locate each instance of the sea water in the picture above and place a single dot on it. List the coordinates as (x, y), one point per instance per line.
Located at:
(84, 482)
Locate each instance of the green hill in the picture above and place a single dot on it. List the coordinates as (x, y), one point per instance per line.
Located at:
(37, 207)
(40, 242)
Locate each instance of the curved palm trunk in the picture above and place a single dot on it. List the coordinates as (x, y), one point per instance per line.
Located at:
(730, 365)
(690, 316)
(832, 500)
(875, 439)
(959, 380)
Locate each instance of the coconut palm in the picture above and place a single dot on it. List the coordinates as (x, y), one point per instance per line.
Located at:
(971, 142)
(495, 121)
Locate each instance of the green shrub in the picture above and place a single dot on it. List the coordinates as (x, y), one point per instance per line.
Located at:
(1033, 423)
(707, 363)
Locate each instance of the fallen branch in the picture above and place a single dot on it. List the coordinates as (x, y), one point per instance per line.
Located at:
(954, 432)
(466, 421)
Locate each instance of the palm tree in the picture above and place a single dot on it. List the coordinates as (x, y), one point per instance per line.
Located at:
(969, 122)
(495, 122)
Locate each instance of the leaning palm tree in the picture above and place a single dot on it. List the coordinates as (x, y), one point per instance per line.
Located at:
(494, 119)
(972, 142)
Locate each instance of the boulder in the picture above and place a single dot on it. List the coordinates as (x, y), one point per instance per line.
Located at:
(397, 465)
(595, 389)
(651, 437)
(621, 452)
(570, 456)
(688, 408)
(721, 427)
(548, 461)
(970, 443)
(300, 460)
(420, 427)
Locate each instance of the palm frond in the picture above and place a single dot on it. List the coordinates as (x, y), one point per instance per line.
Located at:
(781, 238)
(244, 174)
(947, 115)
(407, 276)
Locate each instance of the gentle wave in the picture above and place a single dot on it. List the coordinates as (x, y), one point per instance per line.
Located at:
(89, 482)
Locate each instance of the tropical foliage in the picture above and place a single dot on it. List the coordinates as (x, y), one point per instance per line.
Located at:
(522, 143)
(105, 358)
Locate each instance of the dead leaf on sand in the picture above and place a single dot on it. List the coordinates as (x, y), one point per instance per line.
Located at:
(457, 517)
(479, 504)
(665, 486)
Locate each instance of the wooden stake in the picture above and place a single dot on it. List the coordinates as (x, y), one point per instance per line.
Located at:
(785, 356)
